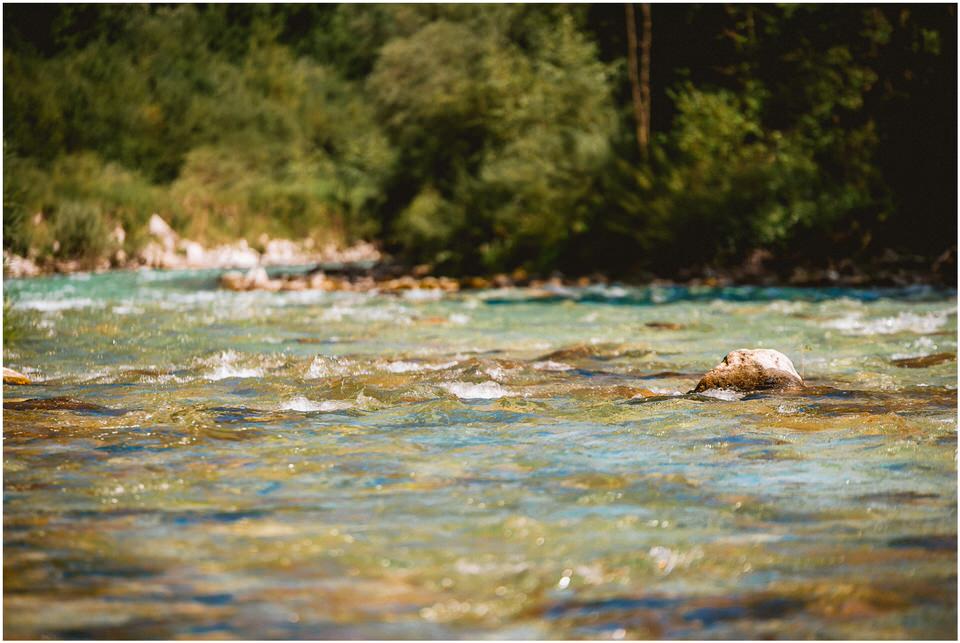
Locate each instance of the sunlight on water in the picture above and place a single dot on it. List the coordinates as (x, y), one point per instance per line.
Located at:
(194, 463)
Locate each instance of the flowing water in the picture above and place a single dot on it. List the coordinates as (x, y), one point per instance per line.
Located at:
(195, 463)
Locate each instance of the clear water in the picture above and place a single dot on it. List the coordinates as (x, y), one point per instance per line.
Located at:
(500, 464)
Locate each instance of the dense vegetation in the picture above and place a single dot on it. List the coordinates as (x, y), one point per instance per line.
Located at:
(482, 138)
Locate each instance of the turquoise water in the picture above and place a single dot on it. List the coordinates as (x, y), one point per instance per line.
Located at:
(493, 464)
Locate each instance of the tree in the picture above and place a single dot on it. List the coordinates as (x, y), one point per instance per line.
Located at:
(640, 78)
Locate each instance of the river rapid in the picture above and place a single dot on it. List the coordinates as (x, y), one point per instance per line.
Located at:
(196, 463)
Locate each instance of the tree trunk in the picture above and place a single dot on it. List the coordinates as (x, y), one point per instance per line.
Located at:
(645, 42)
(640, 74)
(634, 77)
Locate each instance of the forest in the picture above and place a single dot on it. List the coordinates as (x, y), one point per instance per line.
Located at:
(631, 140)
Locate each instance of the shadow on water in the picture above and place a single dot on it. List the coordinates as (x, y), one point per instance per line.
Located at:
(802, 408)
(686, 397)
(829, 401)
(930, 543)
(653, 295)
(925, 361)
(664, 616)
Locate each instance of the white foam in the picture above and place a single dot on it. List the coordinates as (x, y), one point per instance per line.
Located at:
(414, 367)
(855, 324)
(198, 297)
(323, 366)
(785, 307)
(226, 368)
(227, 371)
(922, 347)
(123, 309)
(550, 365)
(613, 292)
(169, 377)
(403, 367)
(482, 391)
(94, 375)
(724, 394)
(47, 305)
(395, 314)
(366, 401)
(304, 405)
(464, 566)
(423, 294)
(749, 539)
(663, 391)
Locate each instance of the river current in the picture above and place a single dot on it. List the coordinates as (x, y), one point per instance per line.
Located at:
(196, 463)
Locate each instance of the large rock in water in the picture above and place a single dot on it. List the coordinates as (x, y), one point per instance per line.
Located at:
(752, 370)
(11, 376)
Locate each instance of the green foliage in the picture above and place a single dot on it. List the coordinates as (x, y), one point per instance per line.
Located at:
(245, 138)
(250, 192)
(119, 197)
(479, 137)
(500, 139)
(726, 162)
(16, 236)
(80, 231)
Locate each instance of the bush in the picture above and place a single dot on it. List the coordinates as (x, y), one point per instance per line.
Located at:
(499, 140)
(224, 193)
(16, 231)
(119, 196)
(81, 232)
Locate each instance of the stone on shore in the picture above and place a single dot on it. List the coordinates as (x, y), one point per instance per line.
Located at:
(17, 266)
(162, 231)
(254, 279)
(233, 280)
(11, 376)
(748, 370)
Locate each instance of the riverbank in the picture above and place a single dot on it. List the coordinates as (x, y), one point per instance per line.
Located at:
(167, 250)
(891, 271)
(363, 267)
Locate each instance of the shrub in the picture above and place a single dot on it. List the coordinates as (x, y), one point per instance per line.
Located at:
(81, 231)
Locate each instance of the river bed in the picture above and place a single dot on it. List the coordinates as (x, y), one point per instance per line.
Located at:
(488, 464)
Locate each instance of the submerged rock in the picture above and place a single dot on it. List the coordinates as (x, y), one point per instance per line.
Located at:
(925, 360)
(11, 376)
(59, 404)
(659, 325)
(752, 370)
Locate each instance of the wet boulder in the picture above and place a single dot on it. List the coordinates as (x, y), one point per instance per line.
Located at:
(752, 370)
(11, 376)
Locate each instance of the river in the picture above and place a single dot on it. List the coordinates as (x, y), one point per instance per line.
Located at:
(488, 464)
